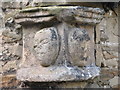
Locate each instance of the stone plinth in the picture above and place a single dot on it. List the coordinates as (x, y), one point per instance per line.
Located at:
(58, 43)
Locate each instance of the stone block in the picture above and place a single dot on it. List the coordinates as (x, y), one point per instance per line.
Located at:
(9, 81)
(58, 45)
(107, 55)
(16, 49)
(73, 85)
(99, 55)
(111, 63)
(9, 67)
(114, 81)
(63, 51)
(94, 85)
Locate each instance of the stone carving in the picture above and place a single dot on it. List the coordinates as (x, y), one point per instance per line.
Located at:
(47, 45)
(78, 42)
(62, 50)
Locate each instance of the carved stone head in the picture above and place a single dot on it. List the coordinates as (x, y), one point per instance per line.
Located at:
(58, 43)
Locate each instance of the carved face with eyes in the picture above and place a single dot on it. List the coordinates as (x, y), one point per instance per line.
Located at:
(48, 44)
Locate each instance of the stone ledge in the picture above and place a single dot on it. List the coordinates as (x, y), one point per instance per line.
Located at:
(86, 9)
(34, 20)
(79, 14)
(57, 74)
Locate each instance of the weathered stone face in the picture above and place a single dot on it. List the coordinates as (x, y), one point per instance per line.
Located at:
(46, 46)
(78, 41)
(66, 66)
(63, 51)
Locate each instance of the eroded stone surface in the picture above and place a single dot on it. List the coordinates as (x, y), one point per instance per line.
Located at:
(12, 31)
(69, 14)
(114, 81)
(110, 29)
(9, 81)
(62, 65)
(57, 73)
(60, 52)
(34, 20)
(78, 41)
(47, 45)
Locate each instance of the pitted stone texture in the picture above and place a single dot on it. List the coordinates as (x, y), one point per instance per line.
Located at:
(78, 41)
(11, 5)
(11, 36)
(49, 54)
(34, 20)
(114, 81)
(58, 74)
(12, 32)
(42, 3)
(62, 52)
(108, 42)
(32, 15)
(81, 15)
(69, 14)
(9, 81)
(46, 45)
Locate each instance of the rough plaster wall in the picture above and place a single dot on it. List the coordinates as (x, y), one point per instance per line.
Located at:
(106, 56)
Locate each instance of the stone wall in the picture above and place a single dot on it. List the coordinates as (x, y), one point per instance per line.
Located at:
(11, 43)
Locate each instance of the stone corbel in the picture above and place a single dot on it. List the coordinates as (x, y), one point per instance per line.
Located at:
(58, 43)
